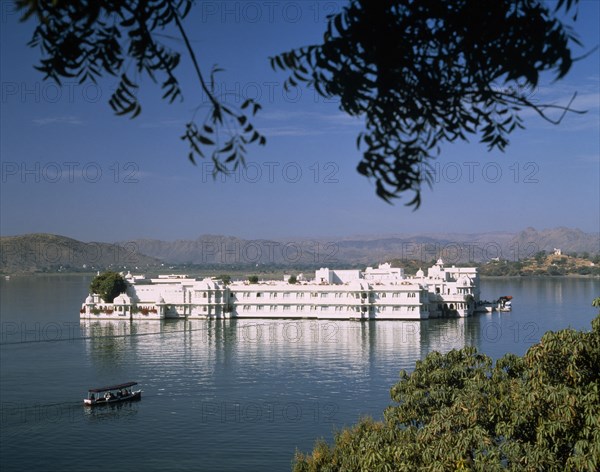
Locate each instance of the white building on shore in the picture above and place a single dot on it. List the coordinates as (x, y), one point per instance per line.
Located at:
(377, 293)
(167, 296)
(451, 289)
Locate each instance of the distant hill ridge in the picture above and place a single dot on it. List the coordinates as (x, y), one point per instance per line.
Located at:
(370, 249)
(43, 252)
(46, 252)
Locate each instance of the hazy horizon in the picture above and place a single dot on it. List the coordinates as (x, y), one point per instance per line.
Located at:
(340, 237)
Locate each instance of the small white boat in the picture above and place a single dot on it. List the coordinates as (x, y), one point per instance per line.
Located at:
(112, 394)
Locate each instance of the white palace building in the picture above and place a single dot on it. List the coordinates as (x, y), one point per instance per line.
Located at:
(377, 293)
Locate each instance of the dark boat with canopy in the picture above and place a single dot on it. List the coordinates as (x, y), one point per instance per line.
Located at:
(112, 394)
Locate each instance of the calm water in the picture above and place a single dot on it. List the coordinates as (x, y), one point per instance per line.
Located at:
(223, 395)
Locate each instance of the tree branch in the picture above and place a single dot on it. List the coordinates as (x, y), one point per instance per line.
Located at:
(194, 60)
(539, 109)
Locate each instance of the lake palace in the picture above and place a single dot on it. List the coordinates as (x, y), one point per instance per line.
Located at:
(384, 292)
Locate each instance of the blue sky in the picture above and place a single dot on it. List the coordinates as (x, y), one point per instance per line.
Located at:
(71, 167)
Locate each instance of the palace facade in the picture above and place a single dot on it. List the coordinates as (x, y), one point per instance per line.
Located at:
(376, 293)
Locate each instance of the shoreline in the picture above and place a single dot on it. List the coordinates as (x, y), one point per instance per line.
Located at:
(277, 272)
(535, 276)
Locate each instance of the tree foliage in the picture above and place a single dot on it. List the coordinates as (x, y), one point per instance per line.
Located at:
(459, 411)
(422, 73)
(89, 39)
(253, 279)
(225, 278)
(108, 285)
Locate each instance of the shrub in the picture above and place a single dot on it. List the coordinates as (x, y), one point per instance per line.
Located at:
(459, 411)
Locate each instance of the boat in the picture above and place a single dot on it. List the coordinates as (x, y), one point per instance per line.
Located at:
(505, 303)
(485, 307)
(112, 394)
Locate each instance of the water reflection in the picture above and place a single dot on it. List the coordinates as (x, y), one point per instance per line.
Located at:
(110, 412)
(558, 294)
(232, 340)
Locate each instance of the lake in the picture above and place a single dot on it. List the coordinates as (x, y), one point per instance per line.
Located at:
(224, 394)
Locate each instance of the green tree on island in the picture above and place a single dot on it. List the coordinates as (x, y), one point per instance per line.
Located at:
(108, 285)
(459, 411)
(225, 278)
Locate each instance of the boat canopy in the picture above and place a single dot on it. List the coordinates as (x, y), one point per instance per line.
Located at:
(112, 387)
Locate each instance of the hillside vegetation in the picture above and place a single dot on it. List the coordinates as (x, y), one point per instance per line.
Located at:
(516, 255)
(47, 253)
(460, 411)
(544, 264)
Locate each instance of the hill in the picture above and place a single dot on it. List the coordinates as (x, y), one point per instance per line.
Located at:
(33, 253)
(366, 250)
(544, 264)
(53, 253)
